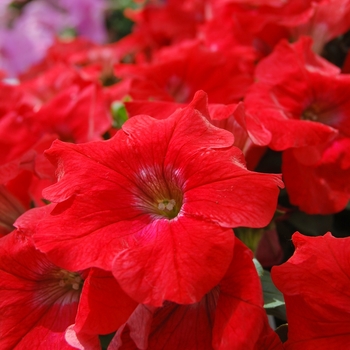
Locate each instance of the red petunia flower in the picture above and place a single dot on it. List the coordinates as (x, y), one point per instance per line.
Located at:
(230, 117)
(316, 184)
(292, 98)
(149, 32)
(14, 201)
(38, 299)
(177, 72)
(304, 105)
(315, 284)
(230, 316)
(60, 52)
(329, 19)
(155, 204)
(265, 22)
(75, 104)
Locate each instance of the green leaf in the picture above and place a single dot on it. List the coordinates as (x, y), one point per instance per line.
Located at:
(273, 299)
(259, 268)
(105, 340)
(119, 113)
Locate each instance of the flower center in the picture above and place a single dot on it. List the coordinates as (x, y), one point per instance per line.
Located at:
(168, 208)
(311, 113)
(159, 192)
(323, 113)
(69, 280)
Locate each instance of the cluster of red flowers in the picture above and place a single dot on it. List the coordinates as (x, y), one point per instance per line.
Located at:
(126, 227)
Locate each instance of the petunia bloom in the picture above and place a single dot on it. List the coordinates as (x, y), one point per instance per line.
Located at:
(38, 299)
(230, 117)
(315, 284)
(307, 120)
(155, 205)
(177, 72)
(230, 316)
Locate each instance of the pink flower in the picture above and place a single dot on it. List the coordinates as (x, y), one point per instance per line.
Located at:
(27, 37)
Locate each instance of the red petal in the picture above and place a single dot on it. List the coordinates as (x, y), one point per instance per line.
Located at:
(178, 260)
(315, 283)
(103, 305)
(34, 309)
(306, 188)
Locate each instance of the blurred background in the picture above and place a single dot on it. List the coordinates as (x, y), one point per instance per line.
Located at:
(29, 27)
